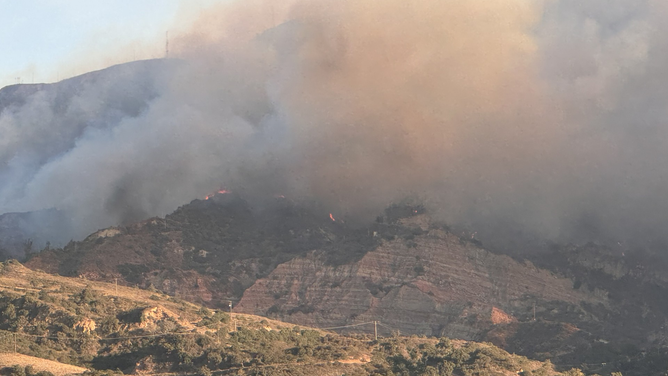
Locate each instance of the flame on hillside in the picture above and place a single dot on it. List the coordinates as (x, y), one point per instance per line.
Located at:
(221, 192)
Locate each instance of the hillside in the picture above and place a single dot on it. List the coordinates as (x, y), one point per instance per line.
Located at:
(208, 251)
(11, 360)
(296, 265)
(106, 327)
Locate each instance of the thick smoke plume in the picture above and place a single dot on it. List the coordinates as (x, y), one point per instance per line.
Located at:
(547, 118)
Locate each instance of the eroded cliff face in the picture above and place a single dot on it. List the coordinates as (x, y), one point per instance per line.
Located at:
(433, 284)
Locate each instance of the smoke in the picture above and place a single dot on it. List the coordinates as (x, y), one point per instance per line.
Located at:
(545, 117)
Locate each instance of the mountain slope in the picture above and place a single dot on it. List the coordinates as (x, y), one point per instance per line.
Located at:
(295, 264)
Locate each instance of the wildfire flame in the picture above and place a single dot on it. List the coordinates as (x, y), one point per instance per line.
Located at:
(332, 217)
(222, 192)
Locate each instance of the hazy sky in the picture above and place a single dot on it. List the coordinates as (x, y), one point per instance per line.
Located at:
(39, 38)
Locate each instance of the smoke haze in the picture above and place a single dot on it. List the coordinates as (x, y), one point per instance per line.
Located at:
(541, 116)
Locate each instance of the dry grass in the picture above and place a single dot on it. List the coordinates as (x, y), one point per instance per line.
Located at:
(58, 369)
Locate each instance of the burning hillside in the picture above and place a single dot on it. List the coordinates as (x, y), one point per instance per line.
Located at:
(223, 243)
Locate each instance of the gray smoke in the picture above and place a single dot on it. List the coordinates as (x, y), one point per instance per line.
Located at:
(541, 116)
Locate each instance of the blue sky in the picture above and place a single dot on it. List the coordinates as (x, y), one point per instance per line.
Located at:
(46, 40)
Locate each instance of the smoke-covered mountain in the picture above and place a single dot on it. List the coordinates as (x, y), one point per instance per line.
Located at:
(42, 123)
(22, 234)
(493, 116)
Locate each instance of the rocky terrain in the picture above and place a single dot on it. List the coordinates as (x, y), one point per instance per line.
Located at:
(411, 274)
(434, 283)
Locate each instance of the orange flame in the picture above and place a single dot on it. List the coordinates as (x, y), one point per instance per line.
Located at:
(332, 217)
(222, 192)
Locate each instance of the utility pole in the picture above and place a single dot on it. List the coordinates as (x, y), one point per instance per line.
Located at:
(116, 285)
(534, 311)
(234, 320)
(375, 330)
(14, 342)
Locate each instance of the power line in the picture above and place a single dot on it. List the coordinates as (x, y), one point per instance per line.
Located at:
(102, 339)
(348, 326)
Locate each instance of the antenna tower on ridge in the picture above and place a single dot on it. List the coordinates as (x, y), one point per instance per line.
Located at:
(166, 44)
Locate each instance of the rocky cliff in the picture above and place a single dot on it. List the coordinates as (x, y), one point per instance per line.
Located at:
(434, 284)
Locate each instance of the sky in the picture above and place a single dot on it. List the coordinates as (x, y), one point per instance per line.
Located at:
(40, 39)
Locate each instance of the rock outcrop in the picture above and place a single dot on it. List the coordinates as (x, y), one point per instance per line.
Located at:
(85, 326)
(438, 284)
